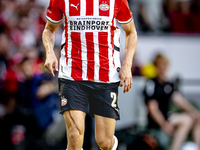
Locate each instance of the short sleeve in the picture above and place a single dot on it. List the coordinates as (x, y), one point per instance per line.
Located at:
(149, 90)
(124, 15)
(54, 13)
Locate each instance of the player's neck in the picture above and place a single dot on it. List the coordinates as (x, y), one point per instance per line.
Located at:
(161, 79)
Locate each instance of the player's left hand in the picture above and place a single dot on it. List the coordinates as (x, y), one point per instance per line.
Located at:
(125, 76)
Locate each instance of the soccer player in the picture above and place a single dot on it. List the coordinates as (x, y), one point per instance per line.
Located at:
(90, 71)
(158, 92)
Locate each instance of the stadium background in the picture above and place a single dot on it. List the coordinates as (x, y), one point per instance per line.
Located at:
(169, 27)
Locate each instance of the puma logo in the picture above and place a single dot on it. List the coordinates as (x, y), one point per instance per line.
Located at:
(75, 6)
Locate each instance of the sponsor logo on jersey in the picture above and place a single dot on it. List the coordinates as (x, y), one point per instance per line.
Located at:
(97, 25)
(104, 7)
(63, 101)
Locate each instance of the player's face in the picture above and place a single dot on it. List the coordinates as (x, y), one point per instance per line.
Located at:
(162, 68)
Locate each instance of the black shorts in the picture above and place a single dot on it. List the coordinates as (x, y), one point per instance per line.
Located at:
(100, 98)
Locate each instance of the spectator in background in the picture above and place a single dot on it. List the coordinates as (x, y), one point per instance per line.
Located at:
(8, 88)
(184, 15)
(158, 92)
(4, 48)
(195, 8)
(28, 99)
(151, 15)
(179, 16)
(39, 89)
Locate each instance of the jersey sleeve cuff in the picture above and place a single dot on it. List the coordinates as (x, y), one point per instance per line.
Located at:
(53, 21)
(124, 22)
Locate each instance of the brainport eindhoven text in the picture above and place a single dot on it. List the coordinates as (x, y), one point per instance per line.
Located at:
(88, 25)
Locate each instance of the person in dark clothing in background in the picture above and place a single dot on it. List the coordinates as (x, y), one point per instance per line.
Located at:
(158, 92)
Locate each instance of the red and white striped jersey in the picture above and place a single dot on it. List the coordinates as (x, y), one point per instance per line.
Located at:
(90, 41)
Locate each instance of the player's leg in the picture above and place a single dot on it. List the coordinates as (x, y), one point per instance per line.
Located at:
(196, 133)
(75, 124)
(183, 124)
(74, 101)
(104, 133)
(103, 103)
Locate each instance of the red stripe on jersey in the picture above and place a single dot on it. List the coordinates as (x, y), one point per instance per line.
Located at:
(66, 41)
(104, 7)
(74, 7)
(76, 56)
(112, 36)
(89, 7)
(103, 56)
(90, 55)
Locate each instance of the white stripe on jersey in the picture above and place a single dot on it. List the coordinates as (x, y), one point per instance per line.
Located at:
(83, 7)
(69, 69)
(116, 55)
(63, 67)
(125, 21)
(84, 56)
(62, 57)
(83, 45)
(112, 5)
(96, 56)
(96, 41)
(96, 8)
(67, 9)
(111, 66)
(48, 18)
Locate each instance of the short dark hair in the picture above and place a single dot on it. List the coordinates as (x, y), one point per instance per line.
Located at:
(160, 57)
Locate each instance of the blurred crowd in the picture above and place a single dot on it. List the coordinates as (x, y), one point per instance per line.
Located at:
(28, 93)
(173, 16)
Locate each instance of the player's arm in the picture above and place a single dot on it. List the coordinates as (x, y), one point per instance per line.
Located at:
(158, 117)
(130, 47)
(48, 38)
(180, 101)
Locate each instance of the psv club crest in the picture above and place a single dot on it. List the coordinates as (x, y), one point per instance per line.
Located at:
(63, 101)
(104, 7)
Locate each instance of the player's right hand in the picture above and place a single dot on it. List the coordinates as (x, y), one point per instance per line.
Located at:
(51, 63)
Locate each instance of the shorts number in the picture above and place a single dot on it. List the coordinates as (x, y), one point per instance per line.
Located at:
(114, 97)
